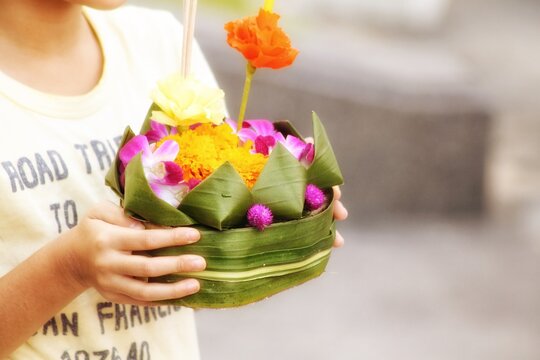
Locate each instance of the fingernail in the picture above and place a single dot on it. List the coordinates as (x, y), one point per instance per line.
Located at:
(197, 264)
(190, 235)
(191, 285)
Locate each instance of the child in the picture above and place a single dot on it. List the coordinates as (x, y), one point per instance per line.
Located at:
(72, 284)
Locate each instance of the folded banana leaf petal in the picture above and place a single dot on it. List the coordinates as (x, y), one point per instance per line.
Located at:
(324, 171)
(146, 124)
(245, 265)
(112, 179)
(220, 201)
(141, 200)
(281, 185)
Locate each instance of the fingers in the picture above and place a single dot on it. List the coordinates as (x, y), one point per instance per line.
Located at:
(123, 299)
(340, 212)
(136, 240)
(145, 292)
(337, 192)
(113, 214)
(146, 267)
(339, 241)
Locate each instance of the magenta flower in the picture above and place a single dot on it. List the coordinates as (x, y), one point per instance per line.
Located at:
(193, 182)
(260, 132)
(265, 137)
(164, 176)
(158, 131)
(315, 197)
(260, 216)
(303, 151)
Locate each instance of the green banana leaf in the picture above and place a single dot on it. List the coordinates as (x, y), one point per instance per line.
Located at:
(220, 201)
(141, 200)
(223, 294)
(245, 265)
(281, 185)
(248, 248)
(146, 124)
(324, 171)
(112, 179)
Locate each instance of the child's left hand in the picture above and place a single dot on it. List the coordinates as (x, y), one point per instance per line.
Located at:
(340, 213)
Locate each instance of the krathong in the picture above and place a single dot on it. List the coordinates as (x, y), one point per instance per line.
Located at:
(259, 193)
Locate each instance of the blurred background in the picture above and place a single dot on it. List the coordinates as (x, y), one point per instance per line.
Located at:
(433, 107)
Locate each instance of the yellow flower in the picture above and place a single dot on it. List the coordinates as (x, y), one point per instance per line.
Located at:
(205, 148)
(187, 101)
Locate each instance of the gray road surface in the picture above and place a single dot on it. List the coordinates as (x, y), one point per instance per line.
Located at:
(419, 289)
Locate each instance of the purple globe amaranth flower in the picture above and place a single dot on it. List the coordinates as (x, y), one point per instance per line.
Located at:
(260, 216)
(315, 197)
(164, 176)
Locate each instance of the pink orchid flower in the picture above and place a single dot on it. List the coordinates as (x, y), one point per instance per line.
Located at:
(260, 132)
(164, 176)
(158, 131)
(303, 151)
(265, 138)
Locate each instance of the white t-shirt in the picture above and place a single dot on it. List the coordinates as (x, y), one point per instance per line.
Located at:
(55, 152)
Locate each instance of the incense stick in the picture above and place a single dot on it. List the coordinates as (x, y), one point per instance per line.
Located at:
(190, 11)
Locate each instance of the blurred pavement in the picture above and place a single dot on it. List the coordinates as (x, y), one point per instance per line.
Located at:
(408, 290)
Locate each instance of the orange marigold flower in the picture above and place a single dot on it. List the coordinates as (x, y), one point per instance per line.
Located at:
(261, 41)
(204, 149)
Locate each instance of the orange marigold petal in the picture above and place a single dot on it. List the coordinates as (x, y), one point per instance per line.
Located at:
(207, 147)
(261, 41)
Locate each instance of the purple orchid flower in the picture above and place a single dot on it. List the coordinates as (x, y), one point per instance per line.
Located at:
(265, 137)
(260, 132)
(158, 131)
(303, 151)
(163, 175)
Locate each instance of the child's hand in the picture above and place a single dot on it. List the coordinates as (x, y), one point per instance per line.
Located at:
(340, 213)
(103, 255)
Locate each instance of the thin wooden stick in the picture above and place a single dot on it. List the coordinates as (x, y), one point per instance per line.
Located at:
(190, 11)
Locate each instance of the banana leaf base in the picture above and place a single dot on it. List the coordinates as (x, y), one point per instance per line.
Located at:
(245, 265)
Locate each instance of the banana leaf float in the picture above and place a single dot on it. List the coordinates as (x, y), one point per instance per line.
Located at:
(244, 264)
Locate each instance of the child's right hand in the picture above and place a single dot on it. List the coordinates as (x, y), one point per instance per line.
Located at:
(103, 250)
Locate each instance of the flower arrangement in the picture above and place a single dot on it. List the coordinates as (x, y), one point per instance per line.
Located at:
(259, 193)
